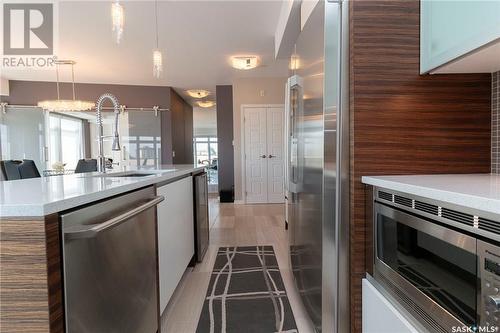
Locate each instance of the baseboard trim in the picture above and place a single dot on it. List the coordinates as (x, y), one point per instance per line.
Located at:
(239, 202)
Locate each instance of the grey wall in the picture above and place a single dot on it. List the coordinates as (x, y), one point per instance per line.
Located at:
(31, 92)
(224, 102)
(495, 122)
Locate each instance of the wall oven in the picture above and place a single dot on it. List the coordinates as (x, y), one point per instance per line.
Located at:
(437, 261)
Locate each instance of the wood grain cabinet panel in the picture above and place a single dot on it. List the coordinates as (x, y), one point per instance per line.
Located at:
(402, 122)
(30, 276)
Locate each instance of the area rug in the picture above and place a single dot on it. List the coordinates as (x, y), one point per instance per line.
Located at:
(246, 294)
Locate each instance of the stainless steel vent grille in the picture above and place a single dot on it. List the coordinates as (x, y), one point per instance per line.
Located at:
(489, 225)
(457, 216)
(427, 208)
(385, 196)
(403, 201)
(466, 221)
(411, 306)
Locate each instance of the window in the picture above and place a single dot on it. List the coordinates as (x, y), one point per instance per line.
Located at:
(66, 140)
(206, 153)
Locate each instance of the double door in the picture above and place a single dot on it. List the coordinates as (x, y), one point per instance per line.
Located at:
(263, 149)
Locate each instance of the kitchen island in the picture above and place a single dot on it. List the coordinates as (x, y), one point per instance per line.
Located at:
(32, 237)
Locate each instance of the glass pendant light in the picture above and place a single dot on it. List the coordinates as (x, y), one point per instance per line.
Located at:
(118, 20)
(157, 56)
(64, 105)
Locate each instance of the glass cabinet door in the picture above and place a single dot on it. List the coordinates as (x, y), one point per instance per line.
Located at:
(141, 145)
(452, 28)
(22, 135)
(140, 138)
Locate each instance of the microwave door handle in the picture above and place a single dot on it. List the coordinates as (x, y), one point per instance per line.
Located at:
(93, 230)
(447, 235)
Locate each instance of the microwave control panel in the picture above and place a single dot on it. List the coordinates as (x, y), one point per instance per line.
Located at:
(489, 269)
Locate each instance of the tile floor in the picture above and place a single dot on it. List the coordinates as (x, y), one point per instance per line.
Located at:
(233, 225)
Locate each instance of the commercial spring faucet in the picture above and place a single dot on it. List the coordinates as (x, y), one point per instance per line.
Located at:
(101, 160)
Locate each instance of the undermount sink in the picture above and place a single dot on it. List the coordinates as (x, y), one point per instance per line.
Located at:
(129, 175)
(133, 174)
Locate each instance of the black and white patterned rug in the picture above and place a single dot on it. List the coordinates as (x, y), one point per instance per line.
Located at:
(246, 294)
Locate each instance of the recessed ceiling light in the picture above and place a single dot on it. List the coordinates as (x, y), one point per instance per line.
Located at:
(245, 62)
(198, 93)
(206, 104)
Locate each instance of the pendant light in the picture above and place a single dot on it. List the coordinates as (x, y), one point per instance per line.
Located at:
(157, 56)
(62, 105)
(118, 20)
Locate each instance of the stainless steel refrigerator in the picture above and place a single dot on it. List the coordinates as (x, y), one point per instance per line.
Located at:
(317, 188)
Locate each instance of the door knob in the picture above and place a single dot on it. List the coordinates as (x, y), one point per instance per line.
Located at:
(494, 301)
(263, 156)
(271, 156)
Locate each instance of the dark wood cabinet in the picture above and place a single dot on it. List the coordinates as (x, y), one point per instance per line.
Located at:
(182, 129)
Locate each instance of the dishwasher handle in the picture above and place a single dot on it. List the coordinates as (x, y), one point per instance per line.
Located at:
(113, 222)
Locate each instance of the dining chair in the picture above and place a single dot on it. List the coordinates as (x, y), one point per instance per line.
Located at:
(86, 165)
(15, 169)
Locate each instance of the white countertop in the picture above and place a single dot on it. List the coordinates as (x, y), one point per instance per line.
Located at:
(478, 191)
(46, 195)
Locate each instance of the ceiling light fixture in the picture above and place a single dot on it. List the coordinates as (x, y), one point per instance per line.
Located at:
(157, 56)
(245, 62)
(198, 93)
(118, 20)
(63, 105)
(206, 104)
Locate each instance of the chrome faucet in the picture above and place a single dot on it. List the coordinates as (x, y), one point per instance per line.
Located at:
(101, 160)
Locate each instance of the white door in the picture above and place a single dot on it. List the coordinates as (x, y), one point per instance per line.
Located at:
(275, 155)
(264, 148)
(255, 155)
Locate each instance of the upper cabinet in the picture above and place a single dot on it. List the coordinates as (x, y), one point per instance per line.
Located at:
(459, 36)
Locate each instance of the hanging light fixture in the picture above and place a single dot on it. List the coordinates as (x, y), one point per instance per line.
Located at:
(118, 19)
(62, 105)
(157, 56)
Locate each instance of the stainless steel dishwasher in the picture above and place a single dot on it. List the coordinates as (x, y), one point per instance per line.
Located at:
(110, 260)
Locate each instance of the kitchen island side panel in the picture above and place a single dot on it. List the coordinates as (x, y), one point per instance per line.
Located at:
(30, 276)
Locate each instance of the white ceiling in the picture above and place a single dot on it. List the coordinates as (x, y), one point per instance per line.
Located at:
(197, 38)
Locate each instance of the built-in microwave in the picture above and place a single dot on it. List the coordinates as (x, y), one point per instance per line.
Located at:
(437, 263)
